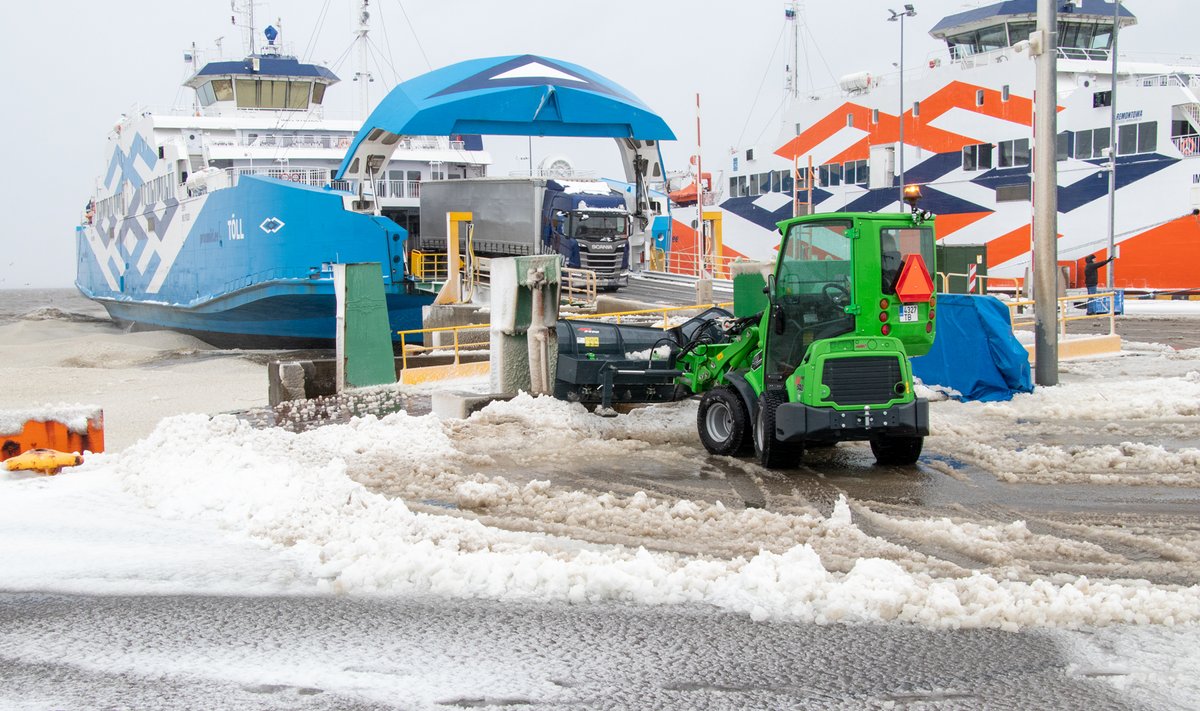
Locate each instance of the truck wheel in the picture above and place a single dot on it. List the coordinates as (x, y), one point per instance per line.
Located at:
(897, 450)
(772, 453)
(723, 422)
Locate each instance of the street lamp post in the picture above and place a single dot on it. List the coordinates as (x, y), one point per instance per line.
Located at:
(908, 12)
(1112, 148)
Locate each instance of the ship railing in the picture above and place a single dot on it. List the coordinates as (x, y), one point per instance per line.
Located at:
(564, 174)
(316, 177)
(579, 287)
(291, 140)
(1176, 79)
(1188, 145)
(398, 189)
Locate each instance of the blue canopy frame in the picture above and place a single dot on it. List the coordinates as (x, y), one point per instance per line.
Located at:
(518, 95)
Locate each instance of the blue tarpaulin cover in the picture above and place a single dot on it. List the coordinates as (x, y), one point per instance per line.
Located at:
(975, 352)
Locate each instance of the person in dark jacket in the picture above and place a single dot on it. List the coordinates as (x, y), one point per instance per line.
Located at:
(1091, 279)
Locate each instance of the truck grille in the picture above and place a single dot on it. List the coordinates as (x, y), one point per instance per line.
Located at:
(867, 380)
(601, 263)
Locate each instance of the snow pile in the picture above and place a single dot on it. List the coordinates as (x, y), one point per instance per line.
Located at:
(1116, 429)
(661, 353)
(297, 492)
(75, 417)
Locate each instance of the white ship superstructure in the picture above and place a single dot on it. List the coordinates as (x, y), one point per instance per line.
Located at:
(968, 139)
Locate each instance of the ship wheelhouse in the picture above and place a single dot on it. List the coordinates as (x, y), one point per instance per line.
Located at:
(272, 83)
(1085, 28)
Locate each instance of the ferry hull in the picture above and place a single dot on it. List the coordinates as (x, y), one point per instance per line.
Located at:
(244, 266)
(275, 316)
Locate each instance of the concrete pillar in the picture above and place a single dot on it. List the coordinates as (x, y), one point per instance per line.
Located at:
(523, 338)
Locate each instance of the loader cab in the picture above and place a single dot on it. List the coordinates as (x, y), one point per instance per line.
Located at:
(850, 274)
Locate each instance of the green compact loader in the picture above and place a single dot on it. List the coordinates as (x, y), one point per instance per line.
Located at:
(815, 353)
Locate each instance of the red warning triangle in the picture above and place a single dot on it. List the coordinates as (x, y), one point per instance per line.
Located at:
(914, 284)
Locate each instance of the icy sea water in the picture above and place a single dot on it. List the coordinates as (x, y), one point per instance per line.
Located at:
(63, 304)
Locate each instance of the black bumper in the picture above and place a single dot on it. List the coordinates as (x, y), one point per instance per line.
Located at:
(796, 421)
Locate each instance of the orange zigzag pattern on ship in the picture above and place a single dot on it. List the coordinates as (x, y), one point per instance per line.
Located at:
(917, 132)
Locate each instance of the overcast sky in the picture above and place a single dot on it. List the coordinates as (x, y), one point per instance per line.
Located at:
(73, 67)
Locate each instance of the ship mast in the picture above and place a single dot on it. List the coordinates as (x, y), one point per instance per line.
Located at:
(363, 75)
(248, 12)
(792, 77)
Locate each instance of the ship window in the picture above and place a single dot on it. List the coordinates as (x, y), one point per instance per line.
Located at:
(874, 115)
(1103, 37)
(764, 182)
(786, 184)
(1064, 145)
(992, 38)
(1147, 137)
(1018, 31)
(1004, 93)
(855, 172)
(979, 98)
(1014, 153)
(1137, 138)
(205, 94)
(849, 120)
(297, 97)
(247, 93)
(318, 94)
(743, 187)
(222, 89)
(273, 94)
(831, 174)
(977, 157)
(916, 109)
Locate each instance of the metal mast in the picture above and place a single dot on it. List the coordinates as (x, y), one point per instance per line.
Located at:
(792, 79)
(1112, 148)
(1045, 203)
(363, 75)
(908, 12)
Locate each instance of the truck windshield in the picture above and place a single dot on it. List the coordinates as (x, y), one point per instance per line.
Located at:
(812, 289)
(896, 244)
(598, 225)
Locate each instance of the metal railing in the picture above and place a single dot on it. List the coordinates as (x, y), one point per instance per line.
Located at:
(984, 283)
(689, 263)
(579, 287)
(431, 266)
(1021, 311)
(641, 314)
(398, 189)
(457, 344)
(1189, 145)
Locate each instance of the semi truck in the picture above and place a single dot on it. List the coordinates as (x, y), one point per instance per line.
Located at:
(585, 221)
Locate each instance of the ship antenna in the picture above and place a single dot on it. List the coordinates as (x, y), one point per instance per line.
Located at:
(248, 11)
(792, 80)
(363, 75)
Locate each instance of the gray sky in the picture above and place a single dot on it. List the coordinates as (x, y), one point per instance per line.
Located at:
(74, 67)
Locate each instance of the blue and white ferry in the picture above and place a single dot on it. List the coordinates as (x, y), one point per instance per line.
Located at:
(223, 219)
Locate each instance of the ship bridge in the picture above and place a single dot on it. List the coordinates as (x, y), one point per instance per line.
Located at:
(1085, 28)
(261, 81)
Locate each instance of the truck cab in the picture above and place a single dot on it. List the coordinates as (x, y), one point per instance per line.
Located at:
(587, 223)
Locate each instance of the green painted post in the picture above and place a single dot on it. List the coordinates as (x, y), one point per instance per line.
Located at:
(364, 336)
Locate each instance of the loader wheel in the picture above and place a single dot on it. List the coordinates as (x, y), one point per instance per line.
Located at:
(897, 450)
(723, 422)
(772, 453)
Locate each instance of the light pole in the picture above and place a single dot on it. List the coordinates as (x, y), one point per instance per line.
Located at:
(908, 12)
(1112, 148)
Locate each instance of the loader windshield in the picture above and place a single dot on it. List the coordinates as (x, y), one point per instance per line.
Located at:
(812, 290)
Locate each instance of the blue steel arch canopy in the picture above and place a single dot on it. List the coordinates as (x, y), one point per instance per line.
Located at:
(521, 95)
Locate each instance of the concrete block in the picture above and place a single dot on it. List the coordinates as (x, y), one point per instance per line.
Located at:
(457, 405)
(442, 315)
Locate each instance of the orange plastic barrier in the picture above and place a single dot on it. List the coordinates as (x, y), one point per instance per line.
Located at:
(52, 434)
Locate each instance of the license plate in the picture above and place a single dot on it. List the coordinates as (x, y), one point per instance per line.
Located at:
(908, 314)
